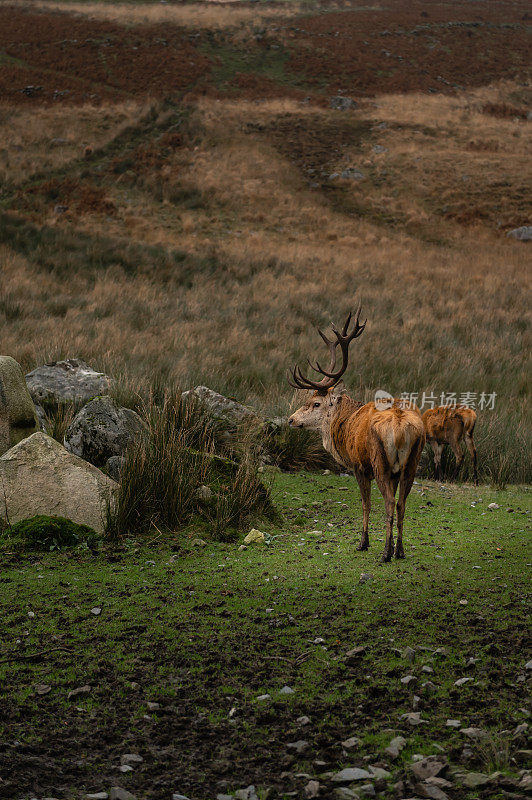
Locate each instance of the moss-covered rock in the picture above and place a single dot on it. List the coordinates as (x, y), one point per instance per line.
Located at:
(50, 533)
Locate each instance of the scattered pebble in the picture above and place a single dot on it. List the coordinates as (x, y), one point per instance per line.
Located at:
(287, 690)
(246, 794)
(262, 697)
(352, 742)
(461, 681)
(353, 656)
(312, 789)
(413, 718)
(397, 744)
(379, 773)
(153, 706)
(254, 536)
(42, 688)
(303, 720)
(299, 747)
(453, 723)
(474, 779)
(118, 793)
(474, 733)
(131, 758)
(96, 611)
(351, 774)
(426, 767)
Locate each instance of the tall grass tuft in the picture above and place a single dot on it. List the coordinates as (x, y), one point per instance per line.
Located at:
(240, 499)
(58, 418)
(293, 449)
(164, 469)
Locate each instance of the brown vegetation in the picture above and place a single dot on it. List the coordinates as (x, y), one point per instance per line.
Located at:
(74, 53)
(236, 212)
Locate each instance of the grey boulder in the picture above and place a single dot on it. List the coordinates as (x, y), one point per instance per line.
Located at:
(41, 418)
(353, 174)
(113, 467)
(342, 103)
(101, 430)
(38, 476)
(18, 419)
(522, 234)
(220, 407)
(66, 381)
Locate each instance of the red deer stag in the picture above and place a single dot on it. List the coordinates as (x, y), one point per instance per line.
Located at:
(385, 445)
(449, 425)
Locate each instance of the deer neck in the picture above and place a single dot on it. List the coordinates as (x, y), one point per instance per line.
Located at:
(332, 429)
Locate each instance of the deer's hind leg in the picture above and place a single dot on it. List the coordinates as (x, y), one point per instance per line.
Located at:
(473, 453)
(405, 484)
(437, 449)
(388, 486)
(365, 491)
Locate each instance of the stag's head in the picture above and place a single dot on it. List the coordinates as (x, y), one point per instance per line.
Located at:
(327, 392)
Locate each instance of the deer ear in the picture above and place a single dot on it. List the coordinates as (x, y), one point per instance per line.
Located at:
(338, 390)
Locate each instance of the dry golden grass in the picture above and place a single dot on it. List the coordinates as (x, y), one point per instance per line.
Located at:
(267, 257)
(43, 139)
(211, 15)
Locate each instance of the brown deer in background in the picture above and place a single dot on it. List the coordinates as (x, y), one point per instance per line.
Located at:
(381, 445)
(450, 425)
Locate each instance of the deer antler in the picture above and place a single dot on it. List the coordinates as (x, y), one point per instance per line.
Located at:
(331, 377)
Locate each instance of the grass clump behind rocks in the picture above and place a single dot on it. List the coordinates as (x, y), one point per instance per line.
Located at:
(172, 477)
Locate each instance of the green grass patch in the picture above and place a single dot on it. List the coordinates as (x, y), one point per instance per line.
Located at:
(203, 631)
(228, 62)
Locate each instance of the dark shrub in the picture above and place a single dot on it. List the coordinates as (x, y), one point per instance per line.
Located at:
(50, 533)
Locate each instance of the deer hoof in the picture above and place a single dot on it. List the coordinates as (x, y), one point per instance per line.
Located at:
(400, 553)
(362, 546)
(386, 558)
